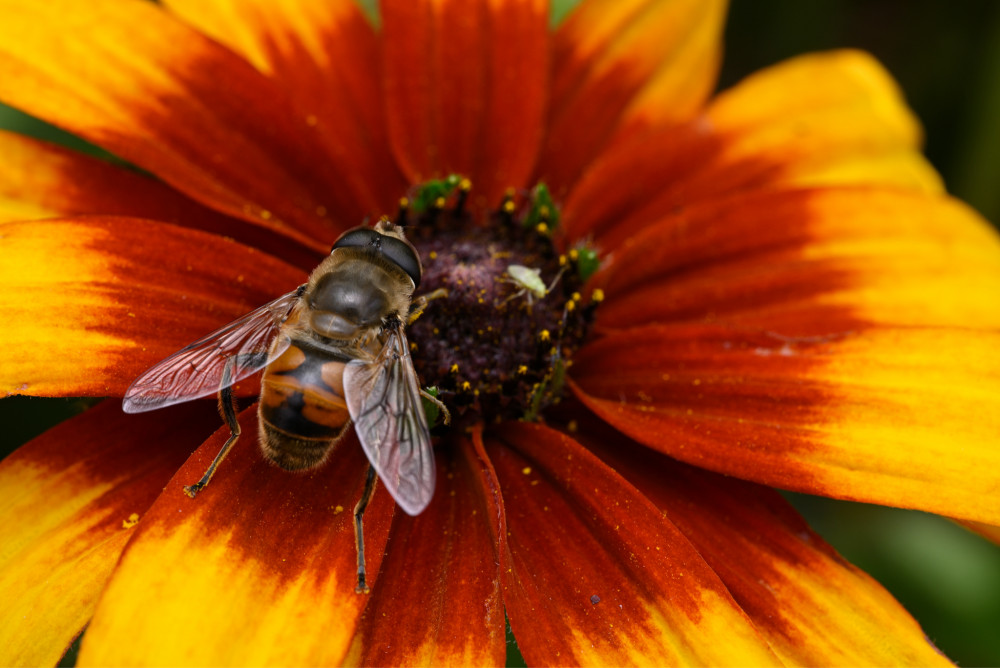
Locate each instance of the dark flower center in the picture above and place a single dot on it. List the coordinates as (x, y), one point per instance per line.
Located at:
(498, 343)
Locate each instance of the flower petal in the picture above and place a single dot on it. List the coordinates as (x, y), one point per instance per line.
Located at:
(256, 548)
(42, 180)
(91, 302)
(452, 614)
(70, 499)
(147, 88)
(623, 66)
(835, 117)
(810, 262)
(465, 88)
(812, 606)
(778, 128)
(596, 574)
(325, 56)
(990, 532)
(903, 417)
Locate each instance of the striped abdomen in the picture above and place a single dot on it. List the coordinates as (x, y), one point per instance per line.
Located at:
(302, 413)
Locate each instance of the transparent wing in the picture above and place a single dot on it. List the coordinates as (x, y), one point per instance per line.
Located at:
(197, 370)
(384, 401)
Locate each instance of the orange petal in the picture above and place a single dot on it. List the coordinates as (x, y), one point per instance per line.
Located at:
(452, 613)
(810, 262)
(91, 302)
(812, 606)
(827, 119)
(597, 575)
(42, 180)
(465, 88)
(324, 55)
(988, 531)
(162, 96)
(70, 500)
(903, 417)
(259, 568)
(623, 66)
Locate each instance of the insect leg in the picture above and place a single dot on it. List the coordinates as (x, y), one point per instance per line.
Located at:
(445, 413)
(227, 408)
(420, 303)
(359, 531)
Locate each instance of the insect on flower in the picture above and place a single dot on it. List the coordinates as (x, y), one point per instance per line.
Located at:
(529, 280)
(333, 350)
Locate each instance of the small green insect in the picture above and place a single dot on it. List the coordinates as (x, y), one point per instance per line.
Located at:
(530, 282)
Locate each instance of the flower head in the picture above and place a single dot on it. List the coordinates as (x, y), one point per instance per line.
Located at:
(658, 304)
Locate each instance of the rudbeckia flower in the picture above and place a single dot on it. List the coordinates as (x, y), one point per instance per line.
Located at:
(730, 293)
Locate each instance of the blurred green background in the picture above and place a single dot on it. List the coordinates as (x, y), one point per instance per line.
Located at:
(946, 56)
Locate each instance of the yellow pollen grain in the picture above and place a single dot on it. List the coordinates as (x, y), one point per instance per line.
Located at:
(508, 207)
(311, 120)
(574, 254)
(436, 331)
(570, 305)
(454, 368)
(404, 202)
(572, 426)
(523, 369)
(465, 184)
(132, 520)
(563, 260)
(466, 386)
(597, 295)
(544, 335)
(433, 255)
(576, 297)
(413, 346)
(439, 203)
(338, 509)
(265, 214)
(542, 229)
(526, 470)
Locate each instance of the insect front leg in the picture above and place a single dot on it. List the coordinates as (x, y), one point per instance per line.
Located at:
(359, 530)
(420, 303)
(227, 408)
(445, 413)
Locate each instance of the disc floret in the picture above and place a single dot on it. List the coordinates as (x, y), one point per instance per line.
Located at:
(495, 348)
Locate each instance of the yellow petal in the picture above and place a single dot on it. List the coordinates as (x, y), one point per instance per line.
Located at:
(69, 500)
(259, 568)
(902, 417)
(91, 302)
(828, 118)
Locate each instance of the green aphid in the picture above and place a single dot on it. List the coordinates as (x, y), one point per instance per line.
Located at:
(543, 209)
(430, 192)
(587, 262)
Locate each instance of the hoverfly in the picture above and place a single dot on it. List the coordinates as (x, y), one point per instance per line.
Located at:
(333, 350)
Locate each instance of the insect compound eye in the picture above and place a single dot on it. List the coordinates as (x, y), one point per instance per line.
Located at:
(395, 250)
(359, 236)
(404, 256)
